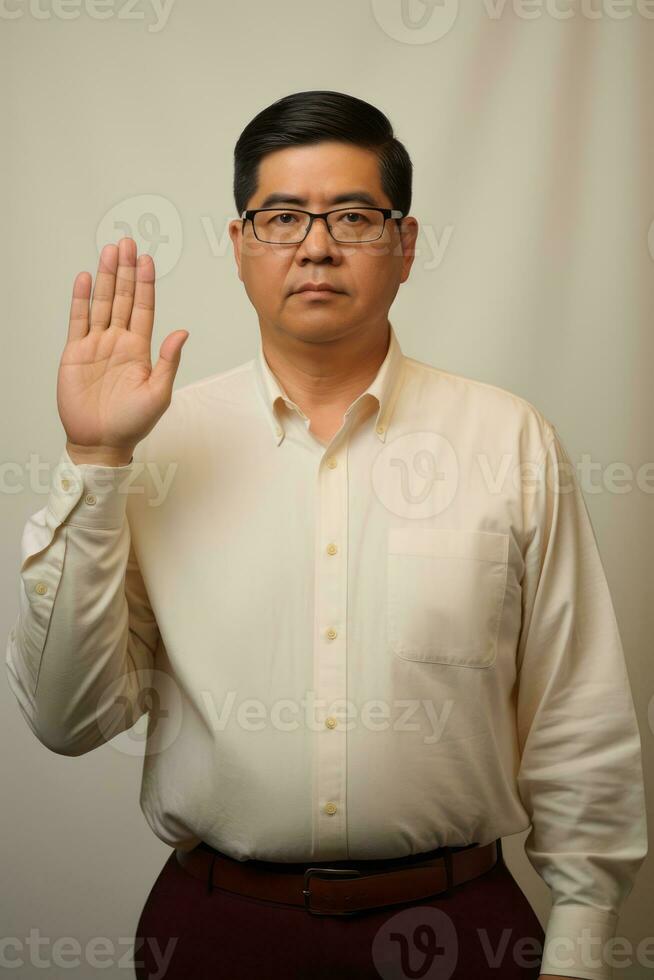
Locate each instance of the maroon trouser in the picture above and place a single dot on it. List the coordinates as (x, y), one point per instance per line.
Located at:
(482, 928)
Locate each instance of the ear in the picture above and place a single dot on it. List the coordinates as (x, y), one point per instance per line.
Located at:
(236, 235)
(408, 236)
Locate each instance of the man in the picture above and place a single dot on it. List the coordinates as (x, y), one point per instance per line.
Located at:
(369, 611)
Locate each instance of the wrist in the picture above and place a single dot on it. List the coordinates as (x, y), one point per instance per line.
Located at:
(99, 455)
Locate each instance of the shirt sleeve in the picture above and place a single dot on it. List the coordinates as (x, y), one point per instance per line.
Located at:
(83, 645)
(580, 775)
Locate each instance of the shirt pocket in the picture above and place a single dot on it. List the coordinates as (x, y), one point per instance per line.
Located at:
(445, 594)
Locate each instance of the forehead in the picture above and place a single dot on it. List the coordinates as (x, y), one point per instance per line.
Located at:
(319, 172)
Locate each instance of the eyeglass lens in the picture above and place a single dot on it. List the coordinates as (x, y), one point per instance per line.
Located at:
(288, 227)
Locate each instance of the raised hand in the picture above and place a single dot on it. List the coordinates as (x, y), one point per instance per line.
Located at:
(108, 394)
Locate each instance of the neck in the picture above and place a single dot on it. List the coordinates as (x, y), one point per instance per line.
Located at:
(323, 376)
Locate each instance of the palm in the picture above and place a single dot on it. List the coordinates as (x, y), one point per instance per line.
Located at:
(108, 394)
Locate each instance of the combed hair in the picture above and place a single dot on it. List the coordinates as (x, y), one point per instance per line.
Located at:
(311, 117)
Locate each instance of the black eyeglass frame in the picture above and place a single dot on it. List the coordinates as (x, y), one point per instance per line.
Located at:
(387, 213)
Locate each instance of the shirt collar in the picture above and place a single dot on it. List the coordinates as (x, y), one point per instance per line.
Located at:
(384, 388)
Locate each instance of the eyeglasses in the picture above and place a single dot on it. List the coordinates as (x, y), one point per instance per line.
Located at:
(270, 224)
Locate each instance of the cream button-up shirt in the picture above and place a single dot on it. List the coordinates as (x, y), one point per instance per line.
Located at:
(371, 648)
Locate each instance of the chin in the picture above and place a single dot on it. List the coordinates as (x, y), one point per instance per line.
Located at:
(316, 325)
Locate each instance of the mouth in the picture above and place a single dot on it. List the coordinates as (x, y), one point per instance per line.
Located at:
(314, 291)
(317, 293)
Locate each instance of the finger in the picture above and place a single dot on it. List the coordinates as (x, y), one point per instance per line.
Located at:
(143, 306)
(170, 354)
(121, 309)
(103, 291)
(78, 323)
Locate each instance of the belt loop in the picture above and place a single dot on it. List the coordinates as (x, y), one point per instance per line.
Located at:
(210, 878)
(447, 857)
(500, 855)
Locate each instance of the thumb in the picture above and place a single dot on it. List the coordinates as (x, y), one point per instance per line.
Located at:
(170, 353)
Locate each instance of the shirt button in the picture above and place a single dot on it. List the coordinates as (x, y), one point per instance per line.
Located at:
(331, 549)
(65, 484)
(332, 462)
(278, 430)
(330, 722)
(330, 808)
(90, 498)
(331, 633)
(381, 429)
(41, 588)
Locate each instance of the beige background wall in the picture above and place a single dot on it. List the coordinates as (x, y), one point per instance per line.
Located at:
(530, 128)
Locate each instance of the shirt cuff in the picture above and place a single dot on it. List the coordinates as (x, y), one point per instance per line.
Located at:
(88, 494)
(578, 943)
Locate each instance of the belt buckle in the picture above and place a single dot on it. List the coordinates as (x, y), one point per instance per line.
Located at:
(306, 891)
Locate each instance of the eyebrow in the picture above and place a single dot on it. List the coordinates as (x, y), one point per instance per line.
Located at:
(359, 196)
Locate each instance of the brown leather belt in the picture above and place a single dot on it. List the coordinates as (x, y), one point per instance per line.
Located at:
(343, 887)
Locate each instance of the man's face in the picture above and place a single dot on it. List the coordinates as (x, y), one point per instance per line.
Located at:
(366, 275)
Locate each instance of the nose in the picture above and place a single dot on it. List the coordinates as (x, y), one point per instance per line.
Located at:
(318, 237)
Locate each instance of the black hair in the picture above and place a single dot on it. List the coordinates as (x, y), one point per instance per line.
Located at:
(311, 117)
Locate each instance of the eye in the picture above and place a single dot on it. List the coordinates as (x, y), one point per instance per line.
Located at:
(359, 218)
